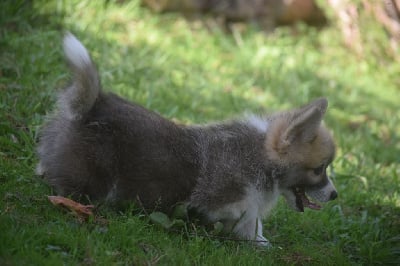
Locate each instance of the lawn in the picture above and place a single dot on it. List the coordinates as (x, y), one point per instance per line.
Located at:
(193, 75)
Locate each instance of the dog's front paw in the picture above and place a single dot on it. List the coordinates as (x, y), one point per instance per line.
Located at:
(261, 241)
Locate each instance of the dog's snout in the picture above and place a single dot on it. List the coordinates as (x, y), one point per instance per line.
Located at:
(333, 195)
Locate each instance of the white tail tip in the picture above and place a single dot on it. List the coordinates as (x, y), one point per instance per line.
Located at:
(75, 52)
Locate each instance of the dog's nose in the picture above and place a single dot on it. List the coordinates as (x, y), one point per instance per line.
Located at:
(333, 195)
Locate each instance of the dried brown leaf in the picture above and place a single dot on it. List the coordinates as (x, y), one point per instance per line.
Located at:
(79, 210)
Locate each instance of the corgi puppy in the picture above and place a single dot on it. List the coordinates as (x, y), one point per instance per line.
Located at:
(104, 147)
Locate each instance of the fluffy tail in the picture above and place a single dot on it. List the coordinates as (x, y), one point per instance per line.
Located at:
(79, 98)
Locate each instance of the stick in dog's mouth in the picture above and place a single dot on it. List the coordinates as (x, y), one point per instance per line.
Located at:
(303, 201)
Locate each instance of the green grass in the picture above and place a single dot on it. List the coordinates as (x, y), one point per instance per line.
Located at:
(187, 73)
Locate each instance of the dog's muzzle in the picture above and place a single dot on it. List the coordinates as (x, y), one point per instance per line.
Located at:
(323, 194)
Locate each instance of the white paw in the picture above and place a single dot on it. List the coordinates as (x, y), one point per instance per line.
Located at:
(39, 169)
(261, 241)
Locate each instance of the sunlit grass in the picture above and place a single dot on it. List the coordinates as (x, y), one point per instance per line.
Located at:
(194, 75)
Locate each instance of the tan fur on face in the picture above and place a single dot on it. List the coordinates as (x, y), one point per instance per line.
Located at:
(309, 144)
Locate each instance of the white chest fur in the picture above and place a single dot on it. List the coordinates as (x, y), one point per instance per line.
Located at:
(255, 202)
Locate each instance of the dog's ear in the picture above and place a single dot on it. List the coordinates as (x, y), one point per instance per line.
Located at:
(305, 123)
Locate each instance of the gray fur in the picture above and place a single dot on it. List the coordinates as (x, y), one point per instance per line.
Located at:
(232, 158)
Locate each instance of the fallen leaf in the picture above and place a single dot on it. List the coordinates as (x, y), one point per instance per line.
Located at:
(79, 210)
(180, 212)
(161, 219)
(218, 228)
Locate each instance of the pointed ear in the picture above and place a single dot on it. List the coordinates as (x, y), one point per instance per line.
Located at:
(305, 123)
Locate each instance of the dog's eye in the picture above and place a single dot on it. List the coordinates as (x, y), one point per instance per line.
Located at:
(319, 170)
